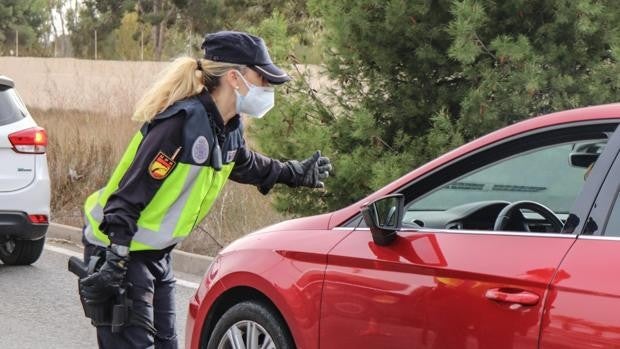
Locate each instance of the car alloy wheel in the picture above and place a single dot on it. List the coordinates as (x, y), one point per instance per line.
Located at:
(251, 324)
(247, 335)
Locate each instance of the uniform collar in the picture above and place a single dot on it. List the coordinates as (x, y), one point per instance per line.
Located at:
(207, 101)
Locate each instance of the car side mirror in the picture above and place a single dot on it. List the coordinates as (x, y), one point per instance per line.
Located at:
(585, 154)
(582, 159)
(384, 218)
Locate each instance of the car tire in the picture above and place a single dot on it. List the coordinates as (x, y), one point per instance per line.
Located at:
(264, 321)
(21, 252)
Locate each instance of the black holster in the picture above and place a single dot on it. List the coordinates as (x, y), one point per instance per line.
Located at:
(115, 312)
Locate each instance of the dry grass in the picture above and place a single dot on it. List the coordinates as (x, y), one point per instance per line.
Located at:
(84, 148)
(82, 152)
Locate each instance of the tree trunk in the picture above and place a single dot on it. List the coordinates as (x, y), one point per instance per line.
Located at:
(51, 8)
(162, 40)
(63, 46)
(159, 29)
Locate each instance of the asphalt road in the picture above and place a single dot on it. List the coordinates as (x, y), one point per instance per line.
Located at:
(39, 307)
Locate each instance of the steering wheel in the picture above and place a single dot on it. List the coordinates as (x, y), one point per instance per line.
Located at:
(510, 217)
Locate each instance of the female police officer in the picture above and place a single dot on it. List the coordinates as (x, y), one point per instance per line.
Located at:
(170, 175)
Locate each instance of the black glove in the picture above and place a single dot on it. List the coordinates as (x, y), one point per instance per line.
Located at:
(104, 284)
(310, 172)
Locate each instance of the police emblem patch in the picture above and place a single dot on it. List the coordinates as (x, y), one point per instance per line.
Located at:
(200, 150)
(161, 166)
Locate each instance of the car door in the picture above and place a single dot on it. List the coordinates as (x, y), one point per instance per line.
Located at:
(456, 283)
(583, 302)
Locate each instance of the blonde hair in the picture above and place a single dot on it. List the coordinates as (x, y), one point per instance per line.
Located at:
(183, 78)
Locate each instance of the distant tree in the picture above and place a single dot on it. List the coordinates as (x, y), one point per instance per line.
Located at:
(127, 39)
(161, 15)
(28, 18)
(417, 78)
(171, 27)
(102, 16)
(248, 15)
(58, 11)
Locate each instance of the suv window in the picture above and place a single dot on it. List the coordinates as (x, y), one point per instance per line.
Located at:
(11, 107)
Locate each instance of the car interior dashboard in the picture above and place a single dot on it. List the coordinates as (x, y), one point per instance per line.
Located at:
(479, 215)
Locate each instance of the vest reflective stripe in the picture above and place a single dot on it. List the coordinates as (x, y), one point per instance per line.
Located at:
(145, 239)
(166, 200)
(196, 195)
(93, 217)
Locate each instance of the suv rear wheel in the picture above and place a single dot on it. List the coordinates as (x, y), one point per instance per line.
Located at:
(21, 252)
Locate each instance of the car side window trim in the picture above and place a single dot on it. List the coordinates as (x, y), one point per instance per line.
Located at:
(470, 232)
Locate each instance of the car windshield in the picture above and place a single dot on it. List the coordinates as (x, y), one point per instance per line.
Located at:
(11, 106)
(545, 176)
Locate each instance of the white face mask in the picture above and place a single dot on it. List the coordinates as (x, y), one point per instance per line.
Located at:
(257, 102)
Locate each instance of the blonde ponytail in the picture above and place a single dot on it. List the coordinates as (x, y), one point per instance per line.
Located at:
(183, 78)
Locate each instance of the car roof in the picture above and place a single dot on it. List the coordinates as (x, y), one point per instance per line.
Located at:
(594, 113)
(6, 81)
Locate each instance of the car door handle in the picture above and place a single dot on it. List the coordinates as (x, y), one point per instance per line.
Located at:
(512, 295)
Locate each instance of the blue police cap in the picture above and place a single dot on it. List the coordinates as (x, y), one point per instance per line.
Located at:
(246, 49)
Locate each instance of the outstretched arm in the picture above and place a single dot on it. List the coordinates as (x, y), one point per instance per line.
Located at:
(254, 168)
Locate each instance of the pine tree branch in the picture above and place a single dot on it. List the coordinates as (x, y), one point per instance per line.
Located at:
(484, 47)
(313, 93)
(385, 144)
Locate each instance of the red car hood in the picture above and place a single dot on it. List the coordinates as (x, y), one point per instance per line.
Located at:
(308, 234)
(319, 222)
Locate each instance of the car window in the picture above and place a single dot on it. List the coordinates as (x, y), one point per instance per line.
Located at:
(11, 107)
(552, 176)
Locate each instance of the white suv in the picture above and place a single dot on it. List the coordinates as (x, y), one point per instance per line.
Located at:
(24, 180)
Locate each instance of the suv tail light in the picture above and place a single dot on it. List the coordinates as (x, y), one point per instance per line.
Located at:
(38, 219)
(32, 140)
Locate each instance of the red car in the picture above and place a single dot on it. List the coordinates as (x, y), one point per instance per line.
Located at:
(505, 242)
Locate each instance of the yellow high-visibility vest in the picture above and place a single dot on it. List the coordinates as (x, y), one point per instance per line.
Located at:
(185, 196)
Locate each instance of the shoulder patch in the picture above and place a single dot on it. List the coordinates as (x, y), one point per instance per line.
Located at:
(161, 166)
(200, 150)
